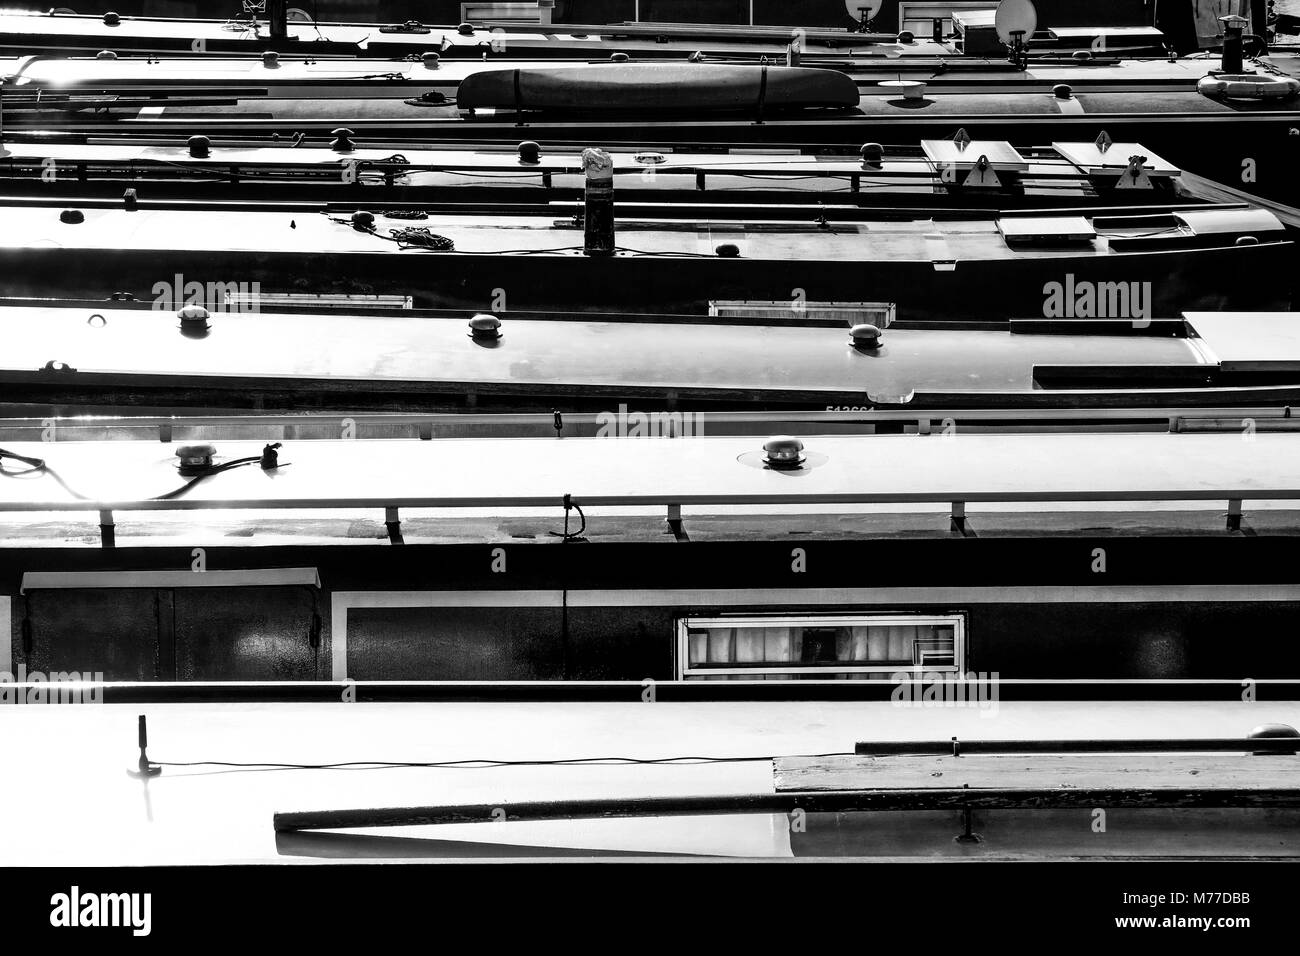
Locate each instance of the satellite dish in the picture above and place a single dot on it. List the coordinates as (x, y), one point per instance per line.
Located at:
(856, 8)
(1016, 16)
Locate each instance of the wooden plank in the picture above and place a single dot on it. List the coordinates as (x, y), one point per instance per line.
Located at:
(1242, 773)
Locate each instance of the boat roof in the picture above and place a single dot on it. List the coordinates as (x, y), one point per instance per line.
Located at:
(138, 32)
(537, 356)
(486, 473)
(1064, 171)
(1070, 159)
(311, 231)
(1025, 108)
(945, 73)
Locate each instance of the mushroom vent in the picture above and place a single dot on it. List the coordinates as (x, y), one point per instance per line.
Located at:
(195, 459)
(342, 142)
(484, 327)
(865, 337)
(194, 319)
(783, 451)
(1274, 731)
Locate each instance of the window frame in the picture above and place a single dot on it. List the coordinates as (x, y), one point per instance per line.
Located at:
(682, 669)
(913, 10)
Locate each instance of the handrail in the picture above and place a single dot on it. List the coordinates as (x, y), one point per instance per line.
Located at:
(546, 419)
(1233, 496)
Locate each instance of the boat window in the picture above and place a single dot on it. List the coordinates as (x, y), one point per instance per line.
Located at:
(1141, 227)
(259, 301)
(519, 12)
(879, 314)
(1046, 230)
(846, 647)
(918, 18)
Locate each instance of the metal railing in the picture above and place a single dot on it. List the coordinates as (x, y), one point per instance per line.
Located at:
(427, 425)
(671, 503)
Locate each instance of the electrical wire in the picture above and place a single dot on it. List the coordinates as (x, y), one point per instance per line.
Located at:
(482, 763)
(37, 466)
(207, 473)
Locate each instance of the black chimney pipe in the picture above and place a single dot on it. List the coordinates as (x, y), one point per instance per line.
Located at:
(1232, 45)
(277, 12)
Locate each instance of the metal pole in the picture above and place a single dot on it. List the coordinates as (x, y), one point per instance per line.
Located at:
(954, 747)
(277, 12)
(598, 219)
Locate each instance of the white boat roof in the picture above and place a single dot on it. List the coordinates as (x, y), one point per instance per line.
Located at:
(1250, 341)
(536, 472)
(269, 347)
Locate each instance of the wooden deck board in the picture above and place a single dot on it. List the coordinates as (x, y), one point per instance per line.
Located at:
(1132, 773)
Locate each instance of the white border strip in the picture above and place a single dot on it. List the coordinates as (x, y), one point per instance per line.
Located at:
(255, 577)
(6, 635)
(1137, 594)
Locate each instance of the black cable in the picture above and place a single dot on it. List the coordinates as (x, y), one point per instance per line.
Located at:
(420, 237)
(482, 763)
(566, 534)
(208, 473)
(37, 466)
